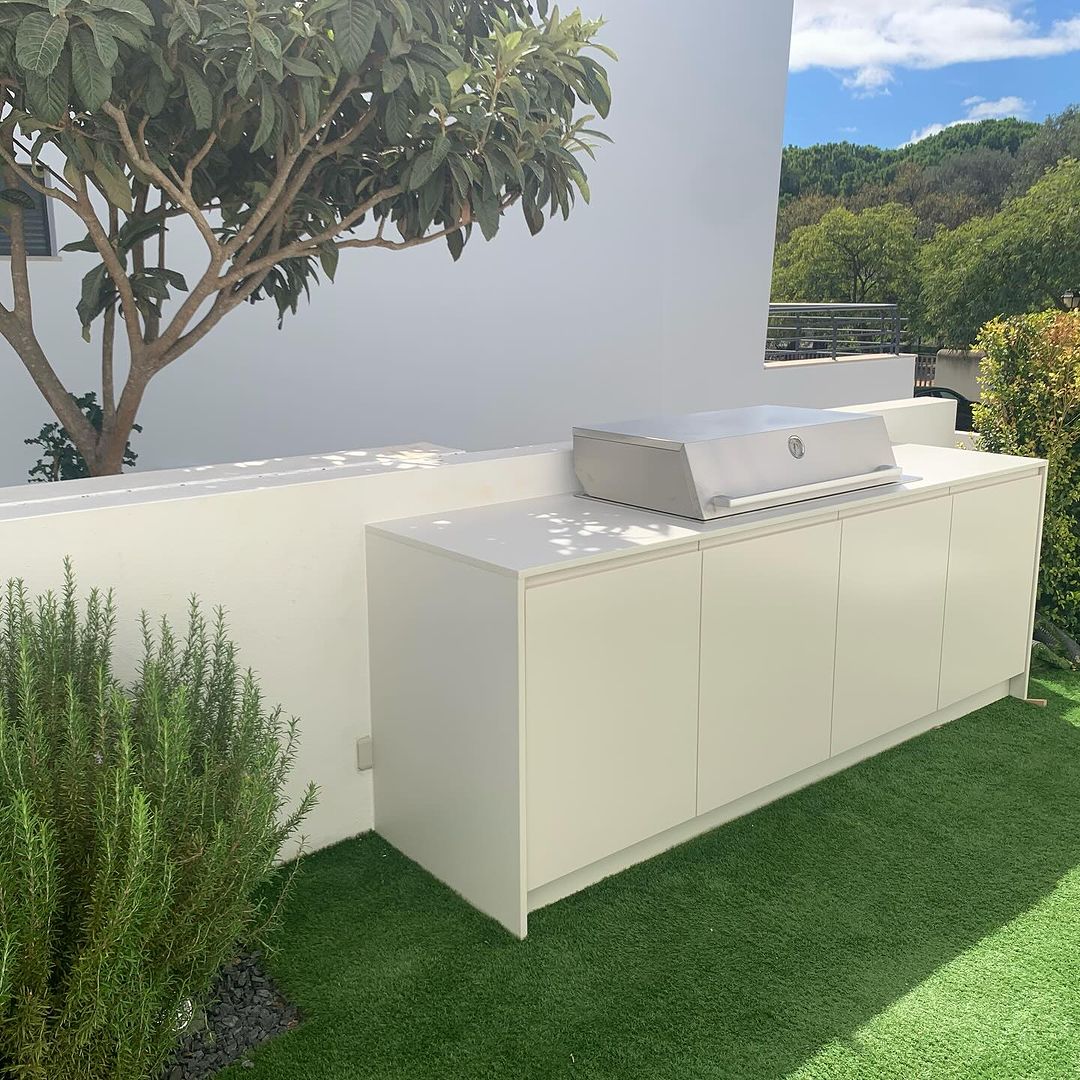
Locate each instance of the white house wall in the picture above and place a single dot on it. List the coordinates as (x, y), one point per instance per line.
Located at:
(652, 298)
(280, 545)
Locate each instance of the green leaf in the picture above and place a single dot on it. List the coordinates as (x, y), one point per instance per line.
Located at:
(267, 118)
(119, 26)
(156, 93)
(422, 167)
(265, 37)
(17, 197)
(487, 212)
(534, 216)
(47, 97)
(202, 103)
(190, 17)
(39, 42)
(57, 6)
(96, 295)
(85, 244)
(304, 68)
(440, 148)
(328, 258)
(458, 77)
(135, 8)
(354, 26)
(404, 14)
(104, 42)
(93, 83)
(455, 241)
(398, 116)
(393, 75)
(114, 185)
(245, 72)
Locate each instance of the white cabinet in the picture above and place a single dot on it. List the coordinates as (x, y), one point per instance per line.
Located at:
(611, 694)
(562, 688)
(768, 625)
(992, 557)
(889, 620)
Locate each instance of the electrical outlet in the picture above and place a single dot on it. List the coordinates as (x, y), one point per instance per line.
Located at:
(363, 754)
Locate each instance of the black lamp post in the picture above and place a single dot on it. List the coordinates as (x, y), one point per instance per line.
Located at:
(1071, 299)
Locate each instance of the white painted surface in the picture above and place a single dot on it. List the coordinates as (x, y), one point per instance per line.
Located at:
(280, 544)
(994, 548)
(284, 554)
(619, 312)
(959, 371)
(822, 384)
(611, 710)
(620, 665)
(889, 619)
(768, 628)
(448, 742)
(655, 845)
(537, 536)
(927, 421)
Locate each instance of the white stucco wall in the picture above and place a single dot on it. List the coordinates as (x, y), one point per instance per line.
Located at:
(280, 544)
(653, 298)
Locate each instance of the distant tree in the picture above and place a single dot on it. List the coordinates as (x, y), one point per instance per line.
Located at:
(1019, 260)
(868, 257)
(845, 169)
(1057, 139)
(807, 210)
(61, 459)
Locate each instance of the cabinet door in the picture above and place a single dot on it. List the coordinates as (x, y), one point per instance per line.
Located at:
(611, 677)
(889, 620)
(992, 555)
(768, 624)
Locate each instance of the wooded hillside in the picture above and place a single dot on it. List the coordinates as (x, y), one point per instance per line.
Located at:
(976, 221)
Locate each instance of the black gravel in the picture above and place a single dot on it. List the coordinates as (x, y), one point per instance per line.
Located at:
(245, 1009)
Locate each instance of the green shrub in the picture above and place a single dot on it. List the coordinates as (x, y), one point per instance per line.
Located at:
(1031, 407)
(136, 825)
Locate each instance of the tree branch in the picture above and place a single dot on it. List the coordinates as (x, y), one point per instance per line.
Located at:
(113, 266)
(108, 343)
(182, 198)
(20, 336)
(285, 168)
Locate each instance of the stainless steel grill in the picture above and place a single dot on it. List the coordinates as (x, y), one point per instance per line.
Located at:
(713, 464)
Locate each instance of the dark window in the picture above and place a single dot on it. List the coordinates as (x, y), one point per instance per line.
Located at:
(39, 238)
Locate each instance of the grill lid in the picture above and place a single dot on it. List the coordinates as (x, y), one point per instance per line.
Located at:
(709, 465)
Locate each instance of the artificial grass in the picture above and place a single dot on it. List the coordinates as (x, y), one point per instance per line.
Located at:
(915, 917)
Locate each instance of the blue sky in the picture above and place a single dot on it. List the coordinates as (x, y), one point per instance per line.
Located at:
(885, 71)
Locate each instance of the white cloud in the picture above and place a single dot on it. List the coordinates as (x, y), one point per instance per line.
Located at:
(869, 39)
(978, 109)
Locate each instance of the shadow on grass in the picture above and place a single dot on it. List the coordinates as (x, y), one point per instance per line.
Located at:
(740, 954)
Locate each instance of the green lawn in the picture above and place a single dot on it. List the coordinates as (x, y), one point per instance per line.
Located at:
(916, 917)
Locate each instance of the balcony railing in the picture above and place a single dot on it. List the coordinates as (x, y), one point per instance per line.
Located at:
(830, 331)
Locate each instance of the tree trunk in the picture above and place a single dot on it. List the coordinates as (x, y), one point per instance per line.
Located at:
(109, 459)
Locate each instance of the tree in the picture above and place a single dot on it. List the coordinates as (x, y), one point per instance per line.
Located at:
(283, 133)
(61, 459)
(1020, 260)
(850, 258)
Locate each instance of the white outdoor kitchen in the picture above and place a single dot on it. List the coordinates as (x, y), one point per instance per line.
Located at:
(733, 606)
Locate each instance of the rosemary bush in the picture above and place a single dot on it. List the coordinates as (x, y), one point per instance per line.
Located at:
(136, 826)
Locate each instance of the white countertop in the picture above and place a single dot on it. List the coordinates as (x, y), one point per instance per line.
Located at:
(539, 536)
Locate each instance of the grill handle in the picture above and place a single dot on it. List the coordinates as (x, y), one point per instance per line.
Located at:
(885, 474)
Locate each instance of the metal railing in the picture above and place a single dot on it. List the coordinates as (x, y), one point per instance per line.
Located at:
(829, 331)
